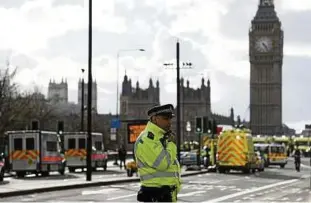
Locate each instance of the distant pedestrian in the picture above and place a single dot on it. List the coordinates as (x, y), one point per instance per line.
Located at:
(122, 156)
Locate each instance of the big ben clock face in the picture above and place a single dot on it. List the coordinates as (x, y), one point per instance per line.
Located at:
(263, 44)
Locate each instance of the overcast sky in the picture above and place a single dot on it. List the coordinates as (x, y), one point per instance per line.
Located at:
(48, 39)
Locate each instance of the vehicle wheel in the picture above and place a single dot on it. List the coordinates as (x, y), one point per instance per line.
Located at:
(1, 175)
(45, 173)
(20, 174)
(71, 170)
(105, 166)
(246, 171)
(282, 166)
(221, 170)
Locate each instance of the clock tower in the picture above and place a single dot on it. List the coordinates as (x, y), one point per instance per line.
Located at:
(266, 58)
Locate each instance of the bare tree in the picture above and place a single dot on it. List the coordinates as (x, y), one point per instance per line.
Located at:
(18, 108)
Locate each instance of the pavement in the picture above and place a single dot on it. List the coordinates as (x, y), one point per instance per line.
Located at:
(272, 185)
(12, 186)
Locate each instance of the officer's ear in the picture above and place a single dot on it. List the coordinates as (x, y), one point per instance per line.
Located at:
(153, 119)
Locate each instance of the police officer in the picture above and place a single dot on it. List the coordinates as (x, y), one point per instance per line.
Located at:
(156, 158)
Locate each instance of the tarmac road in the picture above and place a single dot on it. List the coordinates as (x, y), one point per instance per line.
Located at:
(274, 184)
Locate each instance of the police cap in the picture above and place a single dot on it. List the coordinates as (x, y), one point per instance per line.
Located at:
(166, 110)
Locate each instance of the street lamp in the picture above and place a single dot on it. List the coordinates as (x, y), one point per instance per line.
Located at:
(187, 65)
(82, 101)
(89, 100)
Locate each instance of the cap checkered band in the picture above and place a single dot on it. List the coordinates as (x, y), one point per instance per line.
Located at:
(161, 111)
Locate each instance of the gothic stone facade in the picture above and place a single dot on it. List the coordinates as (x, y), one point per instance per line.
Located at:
(58, 92)
(94, 94)
(134, 104)
(194, 102)
(266, 58)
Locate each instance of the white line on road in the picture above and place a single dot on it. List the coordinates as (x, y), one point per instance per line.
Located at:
(285, 199)
(299, 199)
(121, 197)
(102, 191)
(191, 193)
(181, 195)
(251, 191)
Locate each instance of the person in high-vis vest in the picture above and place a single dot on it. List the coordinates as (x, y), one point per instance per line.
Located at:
(156, 158)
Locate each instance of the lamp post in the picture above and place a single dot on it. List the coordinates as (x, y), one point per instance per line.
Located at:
(82, 101)
(89, 100)
(178, 116)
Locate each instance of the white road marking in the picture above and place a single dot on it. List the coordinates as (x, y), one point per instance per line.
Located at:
(191, 193)
(102, 191)
(121, 197)
(299, 199)
(285, 198)
(251, 191)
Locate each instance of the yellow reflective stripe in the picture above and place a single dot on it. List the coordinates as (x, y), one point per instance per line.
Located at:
(159, 175)
(162, 155)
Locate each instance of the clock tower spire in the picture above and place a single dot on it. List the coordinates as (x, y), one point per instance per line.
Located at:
(266, 59)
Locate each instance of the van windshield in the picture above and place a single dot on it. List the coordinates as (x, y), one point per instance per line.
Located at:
(277, 149)
(262, 149)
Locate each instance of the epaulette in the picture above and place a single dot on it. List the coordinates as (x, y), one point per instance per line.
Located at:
(150, 135)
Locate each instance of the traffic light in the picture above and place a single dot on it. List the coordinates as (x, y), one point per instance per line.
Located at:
(210, 126)
(34, 125)
(60, 127)
(205, 124)
(214, 127)
(198, 124)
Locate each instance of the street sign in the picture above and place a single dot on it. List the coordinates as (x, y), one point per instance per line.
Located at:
(188, 126)
(113, 130)
(115, 123)
(113, 137)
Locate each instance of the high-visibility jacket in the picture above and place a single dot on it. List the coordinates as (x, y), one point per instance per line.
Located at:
(157, 165)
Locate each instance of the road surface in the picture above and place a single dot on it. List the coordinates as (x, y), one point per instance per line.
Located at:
(272, 185)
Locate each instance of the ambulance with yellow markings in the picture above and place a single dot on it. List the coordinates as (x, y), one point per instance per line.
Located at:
(235, 151)
(34, 152)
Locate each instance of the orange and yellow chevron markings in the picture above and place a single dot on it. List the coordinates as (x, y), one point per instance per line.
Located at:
(231, 151)
(24, 154)
(75, 153)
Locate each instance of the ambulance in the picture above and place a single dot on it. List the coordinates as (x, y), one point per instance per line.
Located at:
(75, 145)
(235, 151)
(34, 152)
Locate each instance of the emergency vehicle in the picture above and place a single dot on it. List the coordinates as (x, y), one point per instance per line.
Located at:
(260, 139)
(274, 154)
(235, 151)
(303, 144)
(75, 145)
(34, 151)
